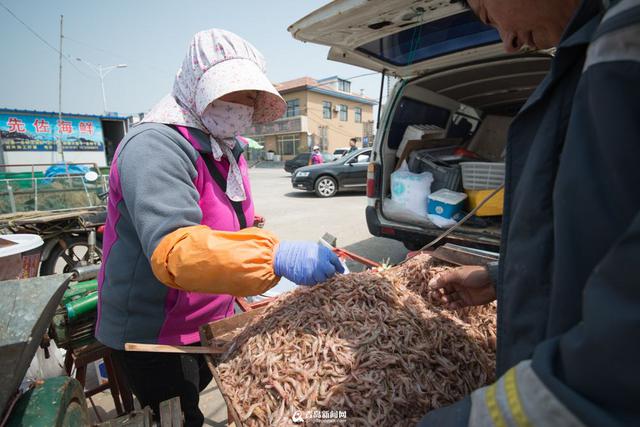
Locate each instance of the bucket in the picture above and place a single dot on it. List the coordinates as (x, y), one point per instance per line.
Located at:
(19, 256)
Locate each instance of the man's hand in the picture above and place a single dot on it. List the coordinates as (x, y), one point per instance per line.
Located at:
(463, 287)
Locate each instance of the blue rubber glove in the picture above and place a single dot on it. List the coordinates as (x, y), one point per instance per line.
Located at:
(305, 263)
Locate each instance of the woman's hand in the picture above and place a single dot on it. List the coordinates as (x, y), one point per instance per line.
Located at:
(305, 263)
(463, 287)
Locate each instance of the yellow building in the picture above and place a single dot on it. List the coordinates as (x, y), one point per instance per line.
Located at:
(319, 112)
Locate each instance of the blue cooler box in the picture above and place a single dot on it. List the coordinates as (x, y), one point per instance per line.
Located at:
(445, 203)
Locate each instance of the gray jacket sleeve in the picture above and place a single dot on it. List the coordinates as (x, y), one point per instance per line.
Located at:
(156, 178)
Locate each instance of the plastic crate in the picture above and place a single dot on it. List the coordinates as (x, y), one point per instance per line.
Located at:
(482, 175)
(444, 175)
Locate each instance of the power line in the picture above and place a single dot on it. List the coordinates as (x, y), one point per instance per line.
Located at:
(363, 75)
(116, 55)
(28, 27)
(42, 39)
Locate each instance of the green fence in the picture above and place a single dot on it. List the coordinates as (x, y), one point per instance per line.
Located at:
(20, 194)
(21, 179)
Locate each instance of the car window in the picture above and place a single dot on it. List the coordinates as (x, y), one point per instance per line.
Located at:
(303, 157)
(364, 157)
(327, 157)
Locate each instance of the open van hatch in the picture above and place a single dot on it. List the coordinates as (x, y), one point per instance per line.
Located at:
(454, 76)
(484, 94)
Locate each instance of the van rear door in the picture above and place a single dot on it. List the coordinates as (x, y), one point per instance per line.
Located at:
(401, 37)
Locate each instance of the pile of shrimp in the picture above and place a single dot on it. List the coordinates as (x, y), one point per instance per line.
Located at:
(373, 347)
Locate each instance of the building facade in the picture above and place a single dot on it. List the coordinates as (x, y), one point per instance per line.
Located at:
(319, 112)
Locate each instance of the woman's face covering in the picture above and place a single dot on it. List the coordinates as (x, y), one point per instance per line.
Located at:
(225, 119)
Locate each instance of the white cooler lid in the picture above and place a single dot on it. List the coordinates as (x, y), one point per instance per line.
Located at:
(23, 243)
(447, 196)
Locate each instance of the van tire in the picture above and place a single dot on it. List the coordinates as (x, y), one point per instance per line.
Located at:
(326, 186)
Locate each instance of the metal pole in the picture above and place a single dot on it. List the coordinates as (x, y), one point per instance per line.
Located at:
(104, 96)
(380, 98)
(12, 200)
(60, 148)
(86, 192)
(35, 193)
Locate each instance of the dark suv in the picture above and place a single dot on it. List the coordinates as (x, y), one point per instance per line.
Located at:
(303, 160)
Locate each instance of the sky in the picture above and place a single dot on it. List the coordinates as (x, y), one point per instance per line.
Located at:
(151, 37)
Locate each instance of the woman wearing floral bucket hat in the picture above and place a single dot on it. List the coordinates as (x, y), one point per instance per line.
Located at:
(177, 244)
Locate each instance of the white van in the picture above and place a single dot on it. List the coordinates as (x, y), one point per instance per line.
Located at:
(455, 85)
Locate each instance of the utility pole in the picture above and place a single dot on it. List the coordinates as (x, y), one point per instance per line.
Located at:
(60, 148)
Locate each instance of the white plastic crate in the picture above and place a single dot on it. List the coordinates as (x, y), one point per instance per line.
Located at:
(482, 175)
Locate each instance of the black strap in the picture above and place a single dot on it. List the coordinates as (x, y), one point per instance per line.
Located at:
(222, 183)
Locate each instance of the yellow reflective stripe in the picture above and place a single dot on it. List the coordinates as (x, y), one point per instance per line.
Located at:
(513, 398)
(492, 406)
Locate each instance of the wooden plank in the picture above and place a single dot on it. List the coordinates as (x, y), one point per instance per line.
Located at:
(19, 218)
(160, 348)
(171, 413)
(227, 329)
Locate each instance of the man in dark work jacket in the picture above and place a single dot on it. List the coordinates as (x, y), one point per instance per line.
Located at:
(567, 285)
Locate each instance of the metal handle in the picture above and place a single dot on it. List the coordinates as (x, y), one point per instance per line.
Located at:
(86, 272)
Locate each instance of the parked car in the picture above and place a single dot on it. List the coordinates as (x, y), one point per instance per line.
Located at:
(346, 173)
(452, 76)
(302, 159)
(339, 152)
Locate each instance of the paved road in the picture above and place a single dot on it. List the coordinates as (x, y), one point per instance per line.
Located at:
(298, 215)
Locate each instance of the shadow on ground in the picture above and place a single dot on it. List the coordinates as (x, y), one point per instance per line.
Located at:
(311, 195)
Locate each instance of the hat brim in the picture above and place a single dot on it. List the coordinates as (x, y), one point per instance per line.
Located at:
(237, 74)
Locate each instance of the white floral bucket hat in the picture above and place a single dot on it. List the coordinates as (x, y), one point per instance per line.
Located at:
(218, 62)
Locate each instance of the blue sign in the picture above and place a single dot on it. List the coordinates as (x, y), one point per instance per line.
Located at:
(20, 132)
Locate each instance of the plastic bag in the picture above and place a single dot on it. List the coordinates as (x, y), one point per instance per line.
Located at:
(61, 170)
(411, 190)
(42, 368)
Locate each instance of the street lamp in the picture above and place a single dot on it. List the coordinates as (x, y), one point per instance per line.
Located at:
(102, 72)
